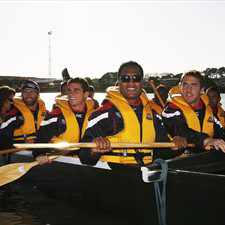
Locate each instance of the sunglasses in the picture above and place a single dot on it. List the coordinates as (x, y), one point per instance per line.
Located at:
(127, 78)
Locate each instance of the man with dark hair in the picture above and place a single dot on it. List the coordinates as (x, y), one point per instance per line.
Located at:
(68, 120)
(6, 101)
(214, 101)
(126, 115)
(188, 114)
(63, 88)
(91, 95)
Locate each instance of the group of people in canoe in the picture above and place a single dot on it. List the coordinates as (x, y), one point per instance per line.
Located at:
(126, 115)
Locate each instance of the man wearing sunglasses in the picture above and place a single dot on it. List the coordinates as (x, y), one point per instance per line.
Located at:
(126, 115)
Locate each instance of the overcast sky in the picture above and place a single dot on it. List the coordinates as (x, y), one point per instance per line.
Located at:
(91, 38)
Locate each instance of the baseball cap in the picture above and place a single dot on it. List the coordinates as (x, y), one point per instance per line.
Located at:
(30, 84)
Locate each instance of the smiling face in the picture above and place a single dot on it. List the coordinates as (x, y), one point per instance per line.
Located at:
(77, 96)
(30, 97)
(131, 87)
(191, 89)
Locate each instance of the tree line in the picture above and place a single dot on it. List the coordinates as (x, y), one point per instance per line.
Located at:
(213, 77)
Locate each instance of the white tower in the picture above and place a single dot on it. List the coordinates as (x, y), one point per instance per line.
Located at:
(49, 54)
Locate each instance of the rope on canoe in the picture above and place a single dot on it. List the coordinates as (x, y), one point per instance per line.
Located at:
(160, 193)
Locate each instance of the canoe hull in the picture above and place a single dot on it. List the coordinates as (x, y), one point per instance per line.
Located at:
(192, 197)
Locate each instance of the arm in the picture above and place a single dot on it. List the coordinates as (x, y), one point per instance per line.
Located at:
(218, 140)
(12, 121)
(52, 125)
(106, 121)
(163, 136)
(176, 125)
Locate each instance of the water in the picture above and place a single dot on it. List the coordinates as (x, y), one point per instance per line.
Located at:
(22, 204)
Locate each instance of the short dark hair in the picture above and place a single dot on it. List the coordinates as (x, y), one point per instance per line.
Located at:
(91, 88)
(130, 64)
(81, 81)
(162, 87)
(62, 84)
(193, 73)
(213, 88)
(5, 92)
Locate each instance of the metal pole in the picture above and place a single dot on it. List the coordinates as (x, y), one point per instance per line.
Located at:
(49, 54)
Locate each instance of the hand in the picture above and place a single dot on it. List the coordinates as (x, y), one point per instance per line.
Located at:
(43, 159)
(218, 144)
(103, 145)
(180, 142)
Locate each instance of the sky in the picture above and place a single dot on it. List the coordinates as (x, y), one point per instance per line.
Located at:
(91, 38)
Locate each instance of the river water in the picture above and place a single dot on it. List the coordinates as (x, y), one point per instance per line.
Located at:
(26, 205)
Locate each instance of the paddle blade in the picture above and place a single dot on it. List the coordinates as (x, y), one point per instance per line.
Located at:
(14, 171)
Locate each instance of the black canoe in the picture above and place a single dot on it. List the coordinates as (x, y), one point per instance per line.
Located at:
(195, 188)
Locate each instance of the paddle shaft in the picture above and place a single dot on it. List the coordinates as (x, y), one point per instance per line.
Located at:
(11, 150)
(151, 82)
(70, 146)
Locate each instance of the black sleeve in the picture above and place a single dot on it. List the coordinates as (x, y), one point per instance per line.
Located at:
(219, 131)
(162, 136)
(101, 123)
(51, 126)
(160, 129)
(7, 128)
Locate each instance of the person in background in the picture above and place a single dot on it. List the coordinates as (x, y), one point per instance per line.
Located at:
(6, 101)
(23, 119)
(68, 120)
(163, 92)
(214, 101)
(126, 115)
(91, 95)
(64, 90)
(65, 74)
(188, 114)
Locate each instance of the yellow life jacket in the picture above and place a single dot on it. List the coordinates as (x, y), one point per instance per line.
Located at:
(72, 132)
(190, 115)
(157, 108)
(221, 115)
(27, 132)
(132, 129)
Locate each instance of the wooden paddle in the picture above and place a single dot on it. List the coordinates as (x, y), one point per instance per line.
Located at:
(152, 84)
(11, 150)
(72, 146)
(14, 171)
